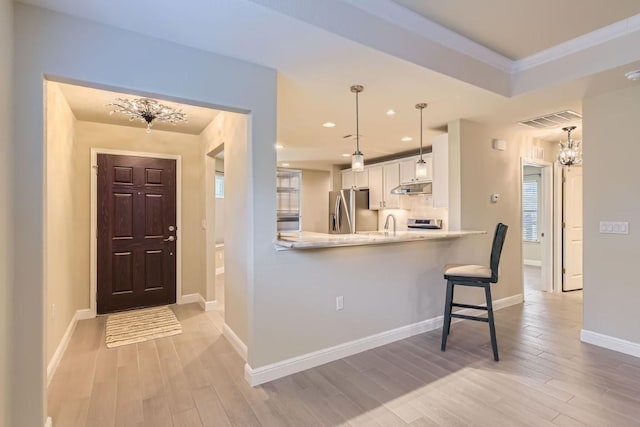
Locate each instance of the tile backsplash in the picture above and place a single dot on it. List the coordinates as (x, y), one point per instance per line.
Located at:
(417, 206)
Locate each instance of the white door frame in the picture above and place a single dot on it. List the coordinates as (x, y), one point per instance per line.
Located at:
(547, 206)
(94, 218)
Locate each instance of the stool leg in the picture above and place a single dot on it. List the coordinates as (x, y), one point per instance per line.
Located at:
(492, 325)
(446, 325)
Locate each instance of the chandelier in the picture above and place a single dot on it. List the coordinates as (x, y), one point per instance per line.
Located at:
(147, 110)
(570, 151)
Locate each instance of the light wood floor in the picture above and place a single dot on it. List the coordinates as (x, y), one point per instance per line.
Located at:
(545, 377)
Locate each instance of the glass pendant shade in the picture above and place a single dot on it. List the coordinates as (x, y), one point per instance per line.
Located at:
(357, 162)
(421, 169)
(570, 151)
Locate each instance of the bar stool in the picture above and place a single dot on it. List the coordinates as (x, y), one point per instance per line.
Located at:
(477, 276)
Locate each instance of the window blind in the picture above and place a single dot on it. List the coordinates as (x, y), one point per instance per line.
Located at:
(530, 211)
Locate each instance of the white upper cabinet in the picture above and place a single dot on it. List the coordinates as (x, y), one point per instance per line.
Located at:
(382, 179)
(347, 179)
(408, 169)
(352, 179)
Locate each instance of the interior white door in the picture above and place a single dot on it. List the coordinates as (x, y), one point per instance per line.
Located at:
(572, 232)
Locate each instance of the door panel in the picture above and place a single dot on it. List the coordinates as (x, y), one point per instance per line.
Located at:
(572, 235)
(136, 208)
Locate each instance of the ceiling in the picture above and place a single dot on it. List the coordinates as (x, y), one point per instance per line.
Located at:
(90, 104)
(517, 29)
(319, 53)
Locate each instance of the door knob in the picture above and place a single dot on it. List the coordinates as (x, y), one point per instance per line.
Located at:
(169, 239)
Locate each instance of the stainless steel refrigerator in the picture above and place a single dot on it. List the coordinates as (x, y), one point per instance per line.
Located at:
(349, 212)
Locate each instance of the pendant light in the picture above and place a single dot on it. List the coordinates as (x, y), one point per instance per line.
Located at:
(570, 152)
(357, 159)
(421, 165)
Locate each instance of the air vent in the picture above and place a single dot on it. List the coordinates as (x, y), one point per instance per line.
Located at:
(552, 120)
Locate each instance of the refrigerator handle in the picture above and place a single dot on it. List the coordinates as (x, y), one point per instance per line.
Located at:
(336, 222)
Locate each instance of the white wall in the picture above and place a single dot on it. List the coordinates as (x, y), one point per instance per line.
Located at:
(315, 200)
(63, 278)
(231, 129)
(611, 152)
(57, 45)
(6, 162)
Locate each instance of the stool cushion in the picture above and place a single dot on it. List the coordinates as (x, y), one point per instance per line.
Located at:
(467, 270)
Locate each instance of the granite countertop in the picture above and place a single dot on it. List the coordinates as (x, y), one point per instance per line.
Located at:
(310, 240)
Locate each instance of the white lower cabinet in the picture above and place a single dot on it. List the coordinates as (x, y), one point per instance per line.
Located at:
(382, 179)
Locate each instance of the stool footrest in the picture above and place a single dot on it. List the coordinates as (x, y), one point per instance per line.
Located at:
(477, 307)
(464, 316)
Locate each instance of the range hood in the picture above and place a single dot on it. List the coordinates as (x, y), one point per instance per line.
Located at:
(416, 188)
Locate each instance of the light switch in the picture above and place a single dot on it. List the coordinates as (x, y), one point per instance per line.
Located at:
(614, 227)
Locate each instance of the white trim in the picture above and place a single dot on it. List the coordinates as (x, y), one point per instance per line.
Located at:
(533, 262)
(199, 299)
(219, 270)
(316, 358)
(586, 41)
(52, 366)
(94, 220)
(236, 343)
(190, 299)
(432, 31)
(611, 343)
(557, 221)
(48, 423)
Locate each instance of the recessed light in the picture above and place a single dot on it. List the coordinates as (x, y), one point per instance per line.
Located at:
(391, 112)
(346, 155)
(329, 124)
(286, 165)
(279, 146)
(633, 75)
(406, 139)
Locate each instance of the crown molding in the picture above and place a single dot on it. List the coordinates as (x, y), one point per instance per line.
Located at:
(424, 27)
(581, 43)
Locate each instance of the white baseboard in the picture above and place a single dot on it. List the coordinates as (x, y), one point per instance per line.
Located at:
(310, 360)
(219, 270)
(189, 299)
(533, 262)
(235, 341)
(197, 298)
(64, 341)
(611, 343)
(48, 423)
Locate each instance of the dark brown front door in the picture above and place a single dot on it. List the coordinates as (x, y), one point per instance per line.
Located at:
(136, 232)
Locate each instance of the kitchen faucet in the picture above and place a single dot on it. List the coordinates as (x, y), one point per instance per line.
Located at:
(386, 223)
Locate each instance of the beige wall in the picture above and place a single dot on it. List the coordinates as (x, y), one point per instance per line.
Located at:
(231, 129)
(611, 150)
(6, 162)
(315, 200)
(97, 135)
(64, 276)
(48, 43)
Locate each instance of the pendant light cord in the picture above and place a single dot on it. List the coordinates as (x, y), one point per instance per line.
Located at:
(357, 126)
(421, 133)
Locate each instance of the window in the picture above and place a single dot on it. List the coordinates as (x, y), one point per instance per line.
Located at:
(219, 185)
(530, 211)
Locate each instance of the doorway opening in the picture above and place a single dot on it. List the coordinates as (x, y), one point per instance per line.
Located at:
(537, 225)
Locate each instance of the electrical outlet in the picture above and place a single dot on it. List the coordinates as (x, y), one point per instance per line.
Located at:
(339, 303)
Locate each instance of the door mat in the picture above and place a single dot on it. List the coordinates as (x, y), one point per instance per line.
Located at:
(141, 325)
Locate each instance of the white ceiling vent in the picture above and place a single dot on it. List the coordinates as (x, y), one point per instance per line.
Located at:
(552, 120)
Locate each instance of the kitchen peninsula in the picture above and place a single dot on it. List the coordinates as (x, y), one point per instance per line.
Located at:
(309, 240)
